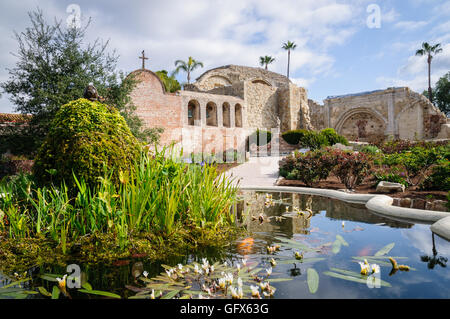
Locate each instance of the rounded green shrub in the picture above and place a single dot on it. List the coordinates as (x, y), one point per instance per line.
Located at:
(333, 137)
(86, 139)
(293, 137)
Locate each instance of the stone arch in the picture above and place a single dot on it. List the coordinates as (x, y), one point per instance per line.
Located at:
(226, 112)
(362, 124)
(211, 114)
(238, 115)
(261, 81)
(194, 117)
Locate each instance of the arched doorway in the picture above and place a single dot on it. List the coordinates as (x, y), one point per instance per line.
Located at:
(362, 124)
(211, 114)
(194, 113)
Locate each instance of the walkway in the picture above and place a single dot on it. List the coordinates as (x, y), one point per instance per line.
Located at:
(258, 171)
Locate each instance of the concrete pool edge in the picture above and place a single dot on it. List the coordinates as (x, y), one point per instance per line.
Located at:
(381, 204)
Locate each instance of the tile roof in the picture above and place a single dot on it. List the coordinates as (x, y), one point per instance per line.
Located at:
(14, 118)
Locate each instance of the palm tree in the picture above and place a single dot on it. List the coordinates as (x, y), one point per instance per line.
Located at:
(289, 46)
(187, 67)
(429, 51)
(266, 60)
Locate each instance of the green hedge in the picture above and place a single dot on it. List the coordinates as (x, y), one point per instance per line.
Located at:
(87, 139)
(313, 139)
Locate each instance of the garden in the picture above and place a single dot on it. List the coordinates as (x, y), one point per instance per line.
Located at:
(419, 169)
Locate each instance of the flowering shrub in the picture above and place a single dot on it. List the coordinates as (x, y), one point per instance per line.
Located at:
(350, 167)
(416, 162)
(400, 146)
(310, 168)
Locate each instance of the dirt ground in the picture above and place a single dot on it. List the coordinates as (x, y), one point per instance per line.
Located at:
(369, 187)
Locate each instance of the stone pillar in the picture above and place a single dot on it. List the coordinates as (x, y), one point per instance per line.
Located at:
(203, 114)
(420, 133)
(220, 115)
(232, 116)
(390, 130)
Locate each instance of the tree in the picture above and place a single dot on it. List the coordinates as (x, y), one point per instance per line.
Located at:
(441, 94)
(429, 51)
(54, 65)
(288, 46)
(170, 83)
(187, 67)
(266, 60)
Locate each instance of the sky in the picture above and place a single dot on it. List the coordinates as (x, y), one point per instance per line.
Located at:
(343, 47)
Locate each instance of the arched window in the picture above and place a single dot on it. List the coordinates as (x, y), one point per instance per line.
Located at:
(238, 115)
(194, 113)
(226, 114)
(211, 114)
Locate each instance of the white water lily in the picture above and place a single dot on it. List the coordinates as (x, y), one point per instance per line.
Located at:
(239, 282)
(62, 282)
(244, 262)
(229, 278)
(197, 270)
(180, 266)
(365, 268)
(222, 283)
(238, 266)
(255, 291)
(263, 285)
(205, 263)
(145, 273)
(269, 271)
(273, 262)
(236, 293)
(152, 295)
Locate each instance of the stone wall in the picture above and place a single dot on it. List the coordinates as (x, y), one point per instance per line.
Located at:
(158, 108)
(232, 74)
(373, 116)
(262, 105)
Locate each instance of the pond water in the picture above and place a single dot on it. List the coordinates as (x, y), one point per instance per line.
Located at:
(339, 235)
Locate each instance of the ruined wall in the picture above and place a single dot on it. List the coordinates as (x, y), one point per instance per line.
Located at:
(262, 105)
(231, 74)
(317, 115)
(372, 116)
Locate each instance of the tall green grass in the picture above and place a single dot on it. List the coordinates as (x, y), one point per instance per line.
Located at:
(161, 196)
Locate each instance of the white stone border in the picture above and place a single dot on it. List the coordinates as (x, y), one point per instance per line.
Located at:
(380, 204)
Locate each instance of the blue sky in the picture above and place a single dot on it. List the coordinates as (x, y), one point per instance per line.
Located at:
(337, 53)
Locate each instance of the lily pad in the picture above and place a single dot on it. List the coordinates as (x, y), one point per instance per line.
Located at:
(385, 250)
(313, 280)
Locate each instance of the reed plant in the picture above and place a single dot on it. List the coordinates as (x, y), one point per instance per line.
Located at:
(160, 195)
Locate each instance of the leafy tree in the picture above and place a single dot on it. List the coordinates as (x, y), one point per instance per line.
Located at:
(187, 67)
(170, 83)
(53, 67)
(288, 46)
(429, 51)
(441, 94)
(266, 60)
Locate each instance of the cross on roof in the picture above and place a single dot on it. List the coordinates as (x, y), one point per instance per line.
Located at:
(143, 59)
